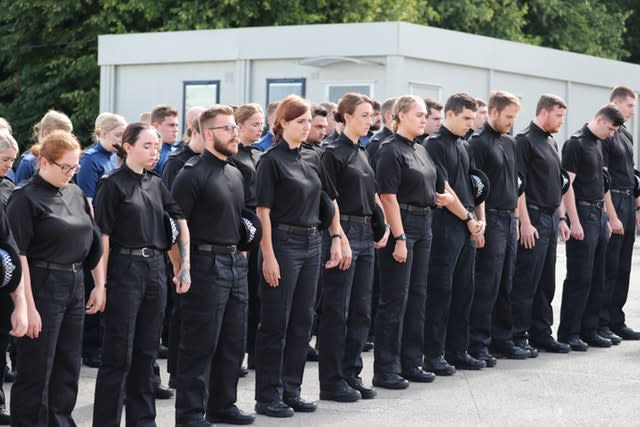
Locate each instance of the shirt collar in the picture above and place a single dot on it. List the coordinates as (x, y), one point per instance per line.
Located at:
(41, 182)
(538, 129)
(588, 134)
(491, 130)
(409, 142)
(209, 157)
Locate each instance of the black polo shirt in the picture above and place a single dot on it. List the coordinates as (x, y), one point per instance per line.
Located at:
(582, 155)
(174, 163)
(210, 192)
(246, 160)
(539, 161)
(374, 145)
(6, 188)
(617, 152)
(317, 148)
(130, 209)
(496, 155)
(405, 169)
(347, 166)
(289, 184)
(49, 223)
(451, 154)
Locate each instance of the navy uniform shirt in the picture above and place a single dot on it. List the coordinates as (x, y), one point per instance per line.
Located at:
(174, 164)
(49, 223)
(539, 161)
(617, 152)
(210, 192)
(496, 155)
(94, 163)
(290, 185)
(451, 154)
(346, 165)
(246, 160)
(26, 167)
(582, 155)
(130, 208)
(374, 145)
(264, 143)
(165, 151)
(405, 169)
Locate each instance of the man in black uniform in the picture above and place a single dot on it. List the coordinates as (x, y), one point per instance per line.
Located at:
(539, 210)
(386, 110)
(214, 312)
(434, 118)
(582, 293)
(622, 211)
(192, 146)
(455, 229)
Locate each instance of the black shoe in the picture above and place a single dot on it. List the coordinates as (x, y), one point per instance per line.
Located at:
(312, 354)
(163, 352)
(485, 356)
(549, 344)
(277, 409)
(596, 340)
(577, 344)
(417, 375)
(523, 343)
(509, 351)
(231, 415)
(365, 392)
(162, 392)
(342, 392)
(390, 381)
(172, 381)
(466, 362)
(243, 372)
(5, 418)
(298, 404)
(438, 366)
(93, 360)
(627, 334)
(9, 375)
(368, 346)
(606, 333)
(251, 362)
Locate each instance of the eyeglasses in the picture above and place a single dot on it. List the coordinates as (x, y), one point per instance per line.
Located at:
(228, 128)
(67, 168)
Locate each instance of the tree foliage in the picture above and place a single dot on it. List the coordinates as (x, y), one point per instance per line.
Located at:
(48, 49)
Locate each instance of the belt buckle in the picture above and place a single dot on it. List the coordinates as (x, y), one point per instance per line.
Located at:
(74, 268)
(145, 252)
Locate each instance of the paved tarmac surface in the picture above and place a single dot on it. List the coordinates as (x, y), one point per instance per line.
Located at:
(598, 388)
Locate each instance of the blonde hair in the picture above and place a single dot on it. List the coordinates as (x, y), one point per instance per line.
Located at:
(402, 105)
(53, 120)
(55, 145)
(7, 141)
(4, 124)
(108, 122)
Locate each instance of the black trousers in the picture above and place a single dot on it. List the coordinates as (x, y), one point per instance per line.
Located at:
(6, 308)
(449, 287)
(253, 317)
(534, 282)
(346, 309)
(46, 387)
(582, 291)
(92, 331)
(286, 315)
(400, 319)
(491, 318)
(136, 297)
(618, 264)
(214, 318)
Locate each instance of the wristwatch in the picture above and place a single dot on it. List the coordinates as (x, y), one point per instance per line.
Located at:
(469, 217)
(402, 236)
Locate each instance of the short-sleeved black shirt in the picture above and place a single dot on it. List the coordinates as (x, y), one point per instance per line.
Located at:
(49, 223)
(346, 165)
(496, 155)
(289, 184)
(210, 192)
(451, 155)
(174, 164)
(374, 145)
(539, 161)
(617, 152)
(582, 155)
(130, 209)
(317, 148)
(246, 161)
(405, 169)
(6, 188)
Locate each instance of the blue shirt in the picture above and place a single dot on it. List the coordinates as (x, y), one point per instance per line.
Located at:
(26, 167)
(164, 155)
(94, 163)
(11, 175)
(265, 142)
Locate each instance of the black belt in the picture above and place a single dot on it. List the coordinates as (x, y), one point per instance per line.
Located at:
(143, 252)
(501, 211)
(596, 204)
(217, 249)
(297, 229)
(548, 211)
(76, 266)
(356, 219)
(624, 191)
(418, 210)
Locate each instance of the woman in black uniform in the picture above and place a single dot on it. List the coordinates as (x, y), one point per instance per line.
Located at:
(288, 204)
(52, 225)
(131, 203)
(406, 179)
(346, 294)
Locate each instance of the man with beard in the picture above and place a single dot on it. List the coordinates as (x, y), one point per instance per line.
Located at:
(214, 311)
(539, 210)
